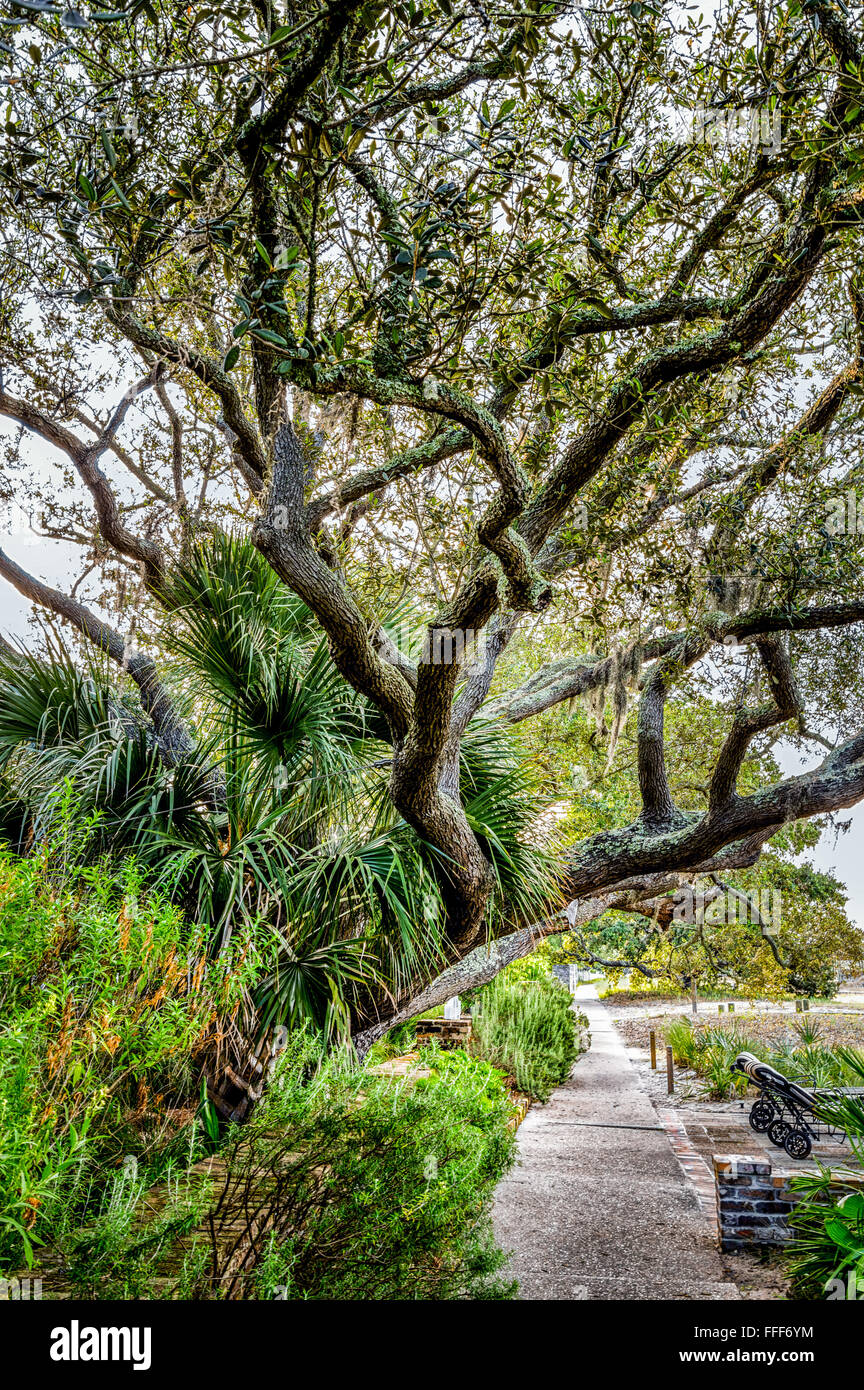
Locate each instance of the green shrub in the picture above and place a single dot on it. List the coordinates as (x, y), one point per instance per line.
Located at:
(378, 1188)
(105, 1003)
(528, 1027)
(711, 1051)
(683, 1041)
(373, 1188)
(141, 1242)
(343, 1185)
(828, 1219)
(828, 1225)
(535, 966)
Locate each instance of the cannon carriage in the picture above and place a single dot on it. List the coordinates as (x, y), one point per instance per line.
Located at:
(787, 1111)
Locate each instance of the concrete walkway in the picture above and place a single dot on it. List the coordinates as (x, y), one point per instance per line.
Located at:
(598, 1206)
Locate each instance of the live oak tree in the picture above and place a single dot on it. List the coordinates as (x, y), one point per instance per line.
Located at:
(777, 926)
(463, 303)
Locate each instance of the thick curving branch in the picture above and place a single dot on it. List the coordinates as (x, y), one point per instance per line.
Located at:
(282, 537)
(785, 704)
(85, 457)
(645, 896)
(172, 735)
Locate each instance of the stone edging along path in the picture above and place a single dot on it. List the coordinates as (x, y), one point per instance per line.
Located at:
(600, 1205)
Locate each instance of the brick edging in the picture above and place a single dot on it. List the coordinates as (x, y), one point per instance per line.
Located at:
(695, 1167)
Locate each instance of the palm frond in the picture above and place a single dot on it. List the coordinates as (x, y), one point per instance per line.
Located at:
(252, 647)
(50, 702)
(503, 804)
(311, 982)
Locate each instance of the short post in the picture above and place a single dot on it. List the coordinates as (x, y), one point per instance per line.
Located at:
(693, 1003)
(670, 1073)
(453, 1007)
(652, 1038)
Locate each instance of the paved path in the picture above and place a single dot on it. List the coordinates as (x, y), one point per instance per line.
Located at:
(598, 1206)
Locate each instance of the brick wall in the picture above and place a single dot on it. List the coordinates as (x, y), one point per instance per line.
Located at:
(754, 1200)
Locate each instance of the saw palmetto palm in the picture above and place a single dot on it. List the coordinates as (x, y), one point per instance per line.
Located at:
(275, 824)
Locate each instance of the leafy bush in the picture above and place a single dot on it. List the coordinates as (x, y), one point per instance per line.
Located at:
(376, 1188)
(344, 1185)
(143, 1241)
(683, 1042)
(710, 1052)
(106, 1003)
(536, 965)
(829, 1234)
(382, 1188)
(530, 1028)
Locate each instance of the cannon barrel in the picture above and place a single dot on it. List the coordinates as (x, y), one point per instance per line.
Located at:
(763, 1075)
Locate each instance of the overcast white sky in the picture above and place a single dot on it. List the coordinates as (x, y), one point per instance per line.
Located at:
(844, 853)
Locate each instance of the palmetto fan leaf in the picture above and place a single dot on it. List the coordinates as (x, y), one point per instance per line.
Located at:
(47, 703)
(249, 650)
(847, 1111)
(313, 980)
(502, 805)
(60, 725)
(379, 890)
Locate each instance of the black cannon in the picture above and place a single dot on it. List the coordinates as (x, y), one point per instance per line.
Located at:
(785, 1111)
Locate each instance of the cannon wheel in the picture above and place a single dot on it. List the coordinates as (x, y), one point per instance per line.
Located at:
(797, 1143)
(777, 1131)
(761, 1115)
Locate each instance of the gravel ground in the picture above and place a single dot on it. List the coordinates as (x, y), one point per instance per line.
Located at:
(758, 1277)
(770, 1024)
